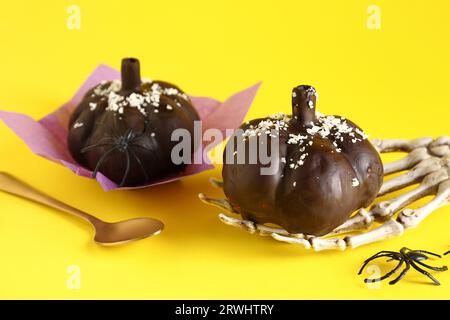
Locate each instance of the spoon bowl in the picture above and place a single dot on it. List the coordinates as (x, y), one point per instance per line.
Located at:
(115, 233)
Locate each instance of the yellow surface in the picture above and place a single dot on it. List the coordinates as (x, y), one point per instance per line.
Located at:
(394, 82)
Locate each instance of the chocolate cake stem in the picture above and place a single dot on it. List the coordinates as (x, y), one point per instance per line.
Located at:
(304, 105)
(131, 74)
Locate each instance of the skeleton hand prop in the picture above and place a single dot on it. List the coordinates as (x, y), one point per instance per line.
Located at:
(426, 164)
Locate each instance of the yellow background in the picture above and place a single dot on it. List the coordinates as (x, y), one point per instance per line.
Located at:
(394, 82)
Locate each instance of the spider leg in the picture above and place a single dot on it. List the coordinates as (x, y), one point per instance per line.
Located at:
(127, 169)
(106, 139)
(427, 252)
(392, 253)
(93, 146)
(443, 268)
(150, 152)
(102, 159)
(426, 273)
(447, 253)
(129, 135)
(387, 275)
(142, 147)
(139, 162)
(378, 255)
(383, 251)
(401, 275)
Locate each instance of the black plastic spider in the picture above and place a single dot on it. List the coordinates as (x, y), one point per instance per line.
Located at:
(411, 258)
(122, 143)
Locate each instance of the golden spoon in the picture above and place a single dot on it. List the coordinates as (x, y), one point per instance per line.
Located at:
(106, 233)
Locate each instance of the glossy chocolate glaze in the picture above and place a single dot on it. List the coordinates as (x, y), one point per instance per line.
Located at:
(130, 141)
(327, 169)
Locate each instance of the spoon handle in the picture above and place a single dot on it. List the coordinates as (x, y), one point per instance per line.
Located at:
(13, 185)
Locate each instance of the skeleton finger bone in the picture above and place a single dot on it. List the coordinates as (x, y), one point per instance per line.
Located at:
(420, 170)
(279, 234)
(318, 244)
(360, 221)
(407, 162)
(216, 183)
(252, 227)
(408, 218)
(385, 209)
(387, 230)
(440, 147)
(220, 203)
(444, 140)
(390, 145)
(294, 240)
(411, 218)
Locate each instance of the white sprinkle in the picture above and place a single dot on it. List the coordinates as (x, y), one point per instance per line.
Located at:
(152, 134)
(310, 104)
(294, 184)
(171, 91)
(355, 182)
(169, 107)
(135, 99)
(296, 138)
(276, 122)
(114, 86)
(78, 125)
(92, 106)
(156, 111)
(283, 159)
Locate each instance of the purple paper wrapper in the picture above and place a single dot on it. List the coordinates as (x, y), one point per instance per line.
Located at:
(48, 136)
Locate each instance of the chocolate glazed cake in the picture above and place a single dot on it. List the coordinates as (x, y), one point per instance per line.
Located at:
(327, 169)
(123, 128)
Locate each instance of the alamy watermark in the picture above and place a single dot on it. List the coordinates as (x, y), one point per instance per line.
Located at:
(74, 17)
(73, 281)
(262, 150)
(374, 17)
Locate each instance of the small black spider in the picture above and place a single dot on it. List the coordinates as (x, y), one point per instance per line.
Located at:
(123, 143)
(411, 258)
